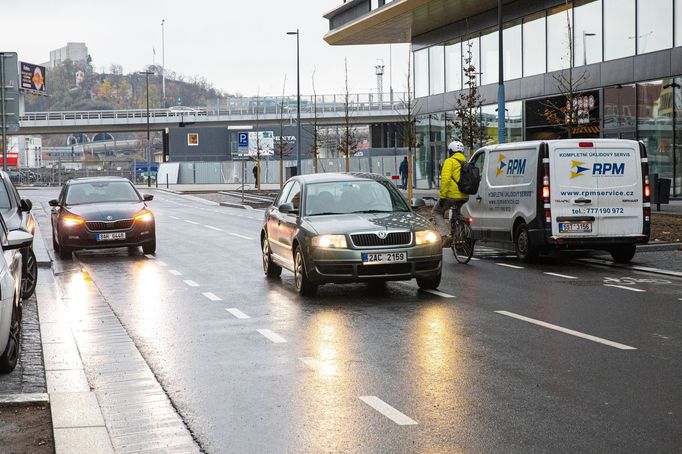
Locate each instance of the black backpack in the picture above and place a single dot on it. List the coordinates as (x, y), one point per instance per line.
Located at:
(469, 178)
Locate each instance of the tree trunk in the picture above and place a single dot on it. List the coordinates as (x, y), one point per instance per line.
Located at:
(281, 172)
(258, 174)
(315, 163)
(347, 156)
(409, 174)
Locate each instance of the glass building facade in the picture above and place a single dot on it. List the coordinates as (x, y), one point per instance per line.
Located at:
(582, 33)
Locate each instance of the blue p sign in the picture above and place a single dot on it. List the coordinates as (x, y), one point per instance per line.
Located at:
(243, 139)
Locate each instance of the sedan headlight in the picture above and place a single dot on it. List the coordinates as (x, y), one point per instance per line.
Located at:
(427, 237)
(144, 216)
(70, 221)
(330, 241)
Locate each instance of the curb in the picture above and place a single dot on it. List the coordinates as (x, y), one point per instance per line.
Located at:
(654, 247)
(235, 205)
(24, 399)
(645, 269)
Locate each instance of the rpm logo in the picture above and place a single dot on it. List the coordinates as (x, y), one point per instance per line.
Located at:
(611, 169)
(510, 166)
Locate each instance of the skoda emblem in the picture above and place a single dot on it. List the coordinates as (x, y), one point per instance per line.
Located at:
(109, 218)
(382, 235)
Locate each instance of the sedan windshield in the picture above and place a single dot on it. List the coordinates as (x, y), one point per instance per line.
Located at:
(101, 191)
(356, 196)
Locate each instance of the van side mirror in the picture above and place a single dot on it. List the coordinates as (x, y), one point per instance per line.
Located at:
(287, 208)
(26, 205)
(53, 203)
(17, 239)
(147, 197)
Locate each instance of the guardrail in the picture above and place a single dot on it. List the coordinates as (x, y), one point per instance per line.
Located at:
(266, 106)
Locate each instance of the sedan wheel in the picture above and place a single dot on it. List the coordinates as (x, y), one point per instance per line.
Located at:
(270, 269)
(8, 359)
(30, 277)
(303, 285)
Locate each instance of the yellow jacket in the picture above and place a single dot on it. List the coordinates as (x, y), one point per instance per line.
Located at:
(452, 167)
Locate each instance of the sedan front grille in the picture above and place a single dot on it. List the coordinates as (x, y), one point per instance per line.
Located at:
(373, 239)
(102, 226)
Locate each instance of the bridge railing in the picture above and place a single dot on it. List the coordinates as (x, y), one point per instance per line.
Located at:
(242, 106)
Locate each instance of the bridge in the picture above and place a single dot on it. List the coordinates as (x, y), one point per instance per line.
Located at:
(233, 113)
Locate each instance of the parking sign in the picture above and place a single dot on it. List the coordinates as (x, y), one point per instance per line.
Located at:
(243, 139)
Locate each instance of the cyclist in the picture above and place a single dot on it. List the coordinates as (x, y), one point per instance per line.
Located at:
(450, 195)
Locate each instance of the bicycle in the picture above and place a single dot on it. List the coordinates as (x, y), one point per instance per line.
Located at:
(462, 237)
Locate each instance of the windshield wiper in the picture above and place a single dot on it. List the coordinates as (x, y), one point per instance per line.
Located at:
(372, 211)
(325, 213)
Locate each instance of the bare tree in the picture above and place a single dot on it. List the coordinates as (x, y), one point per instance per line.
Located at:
(282, 145)
(258, 141)
(348, 144)
(409, 122)
(566, 116)
(468, 119)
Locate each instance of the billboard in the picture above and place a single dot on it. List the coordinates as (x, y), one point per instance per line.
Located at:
(265, 140)
(32, 78)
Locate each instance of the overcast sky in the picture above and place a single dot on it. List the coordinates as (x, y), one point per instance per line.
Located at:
(240, 46)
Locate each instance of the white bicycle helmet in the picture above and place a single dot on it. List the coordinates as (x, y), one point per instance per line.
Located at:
(456, 146)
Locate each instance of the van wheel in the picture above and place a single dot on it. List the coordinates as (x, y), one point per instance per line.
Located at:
(623, 254)
(525, 250)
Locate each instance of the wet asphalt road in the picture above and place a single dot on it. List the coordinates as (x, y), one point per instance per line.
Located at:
(398, 370)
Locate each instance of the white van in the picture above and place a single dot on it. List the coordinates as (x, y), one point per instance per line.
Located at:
(563, 194)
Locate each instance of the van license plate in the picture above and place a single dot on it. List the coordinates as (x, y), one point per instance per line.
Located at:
(371, 258)
(575, 227)
(111, 236)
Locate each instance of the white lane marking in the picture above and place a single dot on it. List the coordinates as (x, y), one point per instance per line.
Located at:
(175, 272)
(191, 283)
(510, 266)
(632, 289)
(437, 293)
(213, 228)
(149, 256)
(312, 363)
(274, 337)
(567, 331)
(173, 217)
(475, 259)
(242, 316)
(190, 222)
(565, 276)
(160, 263)
(388, 411)
(212, 296)
(241, 236)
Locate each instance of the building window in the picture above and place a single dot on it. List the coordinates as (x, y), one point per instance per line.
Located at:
(421, 73)
(490, 57)
(587, 32)
(558, 38)
(436, 70)
(453, 66)
(193, 139)
(619, 29)
(534, 45)
(471, 51)
(654, 125)
(654, 25)
(678, 22)
(513, 122)
(512, 51)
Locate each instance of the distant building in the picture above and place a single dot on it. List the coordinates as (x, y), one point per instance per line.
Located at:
(76, 52)
(24, 151)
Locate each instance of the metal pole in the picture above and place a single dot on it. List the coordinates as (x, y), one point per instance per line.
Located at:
(298, 103)
(584, 48)
(163, 63)
(501, 124)
(2, 111)
(149, 150)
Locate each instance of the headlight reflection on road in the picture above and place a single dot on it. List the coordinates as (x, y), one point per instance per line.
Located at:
(76, 298)
(147, 282)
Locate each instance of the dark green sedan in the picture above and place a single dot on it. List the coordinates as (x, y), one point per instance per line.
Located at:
(341, 228)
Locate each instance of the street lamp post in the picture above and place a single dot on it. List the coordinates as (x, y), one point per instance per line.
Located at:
(501, 124)
(149, 149)
(298, 100)
(163, 64)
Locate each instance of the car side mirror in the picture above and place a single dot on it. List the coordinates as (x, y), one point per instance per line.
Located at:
(147, 197)
(418, 203)
(26, 205)
(17, 239)
(287, 208)
(53, 203)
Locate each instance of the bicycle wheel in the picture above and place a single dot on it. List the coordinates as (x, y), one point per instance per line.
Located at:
(462, 241)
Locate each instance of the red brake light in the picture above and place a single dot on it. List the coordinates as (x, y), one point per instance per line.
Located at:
(586, 144)
(647, 191)
(470, 220)
(545, 192)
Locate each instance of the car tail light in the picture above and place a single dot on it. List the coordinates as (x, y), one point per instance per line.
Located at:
(546, 192)
(646, 191)
(470, 221)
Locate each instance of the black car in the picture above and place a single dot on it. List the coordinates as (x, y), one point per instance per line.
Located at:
(17, 215)
(102, 212)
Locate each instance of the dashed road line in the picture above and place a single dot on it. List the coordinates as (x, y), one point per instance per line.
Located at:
(241, 236)
(212, 296)
(149, 256)
(311, 362)
(242, 316)
(567, 331)
(175, 272)
(191, 222)
(160, 263)
(191, 283)
(271, 335)
(565, 276)
(385, 409)
(437, 293)
(173, 217)
(632, 289)
(510, 266)
(213, 228)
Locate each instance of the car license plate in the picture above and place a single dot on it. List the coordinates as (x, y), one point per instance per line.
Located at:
(575, 227)
(111, 236)
(375, 258)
